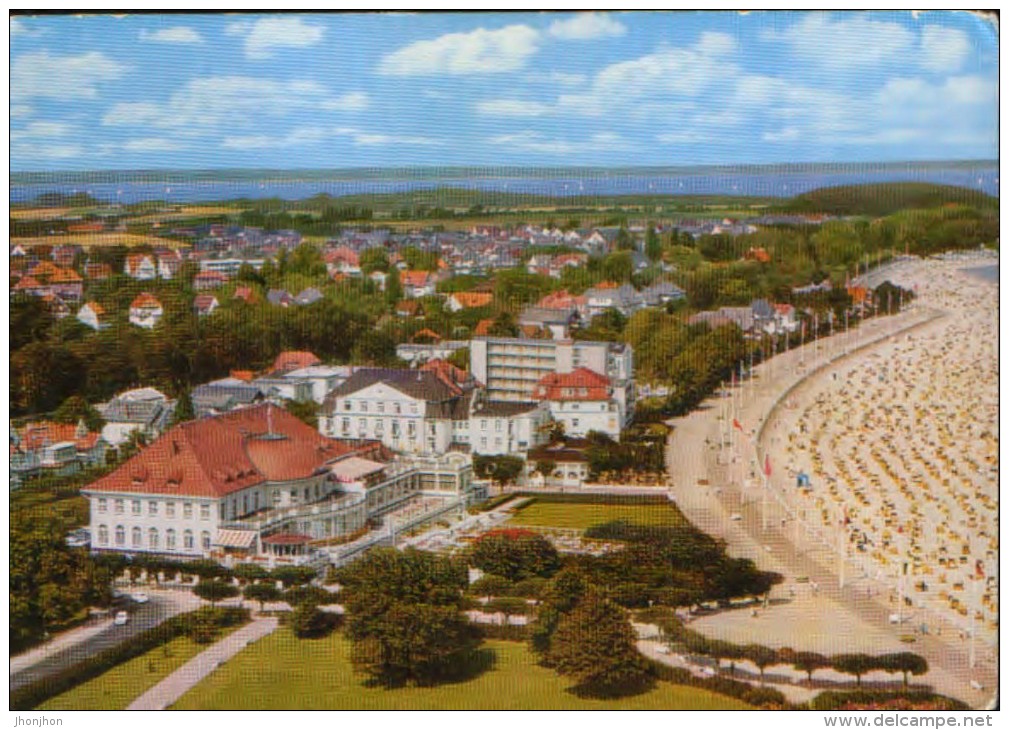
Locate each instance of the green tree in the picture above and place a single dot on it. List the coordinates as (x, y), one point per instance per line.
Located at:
(595, 645)
(184, 410)
(624, 240)
(653, 245)
(261, 592)
(905, 662)
(854, 664)
(809, 662)
(373, 259)
(293, 575)
(215, 590)
(306, 411)
(502, 469)
(74, 409)
(515, 554)
(762, 656)
(308, 621)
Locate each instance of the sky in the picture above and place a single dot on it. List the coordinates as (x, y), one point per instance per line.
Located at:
(499, 89)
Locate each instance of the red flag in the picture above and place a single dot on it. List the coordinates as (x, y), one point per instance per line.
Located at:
(737, 424)
(979, 569)
(847, 518)
(767, 464)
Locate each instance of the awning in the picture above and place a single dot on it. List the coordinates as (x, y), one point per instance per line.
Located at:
(354, 468)
(235, 538)
(286, 538)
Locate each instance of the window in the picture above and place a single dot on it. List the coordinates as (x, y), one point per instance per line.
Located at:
(120, 535)
(497, 442)
(381, 406)
(575, 406)
(276, 496)
(347, 406)
(103, 535)
(379, 427)
(152, 507)
(204, 511)
(255, 501)
(574, 422)
(395, 429)
(152, 538)
(205, 540)
(346, 426)
(413, 408)
(120, 506)
(187, 540)
(187, 510)
(245, 504)
(411, 429)
(138, 537)
(483, 442)
(103, 505)
(136, 506)
(169, 509)
(364, 406)
(483, 424)
(362, 426)
(397, 407)
(170, 539)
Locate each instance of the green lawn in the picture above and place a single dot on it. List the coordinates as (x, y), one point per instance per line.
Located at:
(281, 672)
(543, 513)
(118, 687)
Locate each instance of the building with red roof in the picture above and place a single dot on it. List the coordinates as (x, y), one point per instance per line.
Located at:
(294, 360)
(252, 485)
(583, 400)
(146, 311)
(47, 447)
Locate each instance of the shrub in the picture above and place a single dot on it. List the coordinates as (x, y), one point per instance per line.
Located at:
(309, 594)
(630, 595)
(515, 554)
(490, 585)
(308, 622)
(530, 588)
(872, 699)
(509, 606)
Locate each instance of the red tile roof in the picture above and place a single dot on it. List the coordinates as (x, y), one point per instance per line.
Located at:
(449, 374)
(145, 301)
(415, 278)
(469, 299)
(38, 435)
(483, 327)
(561, 300)
(426, 333)
(213, 457)
(245, 293)
(294, 360)
(580, 384)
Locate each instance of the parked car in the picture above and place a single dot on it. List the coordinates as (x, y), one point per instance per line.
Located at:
(141, 598)
(121, 618)
(79, 538)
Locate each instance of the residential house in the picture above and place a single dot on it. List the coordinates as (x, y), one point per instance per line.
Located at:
(169, 263)
(279, 298)
(308, 296)
(583, 401)
(497, 428)
(93, 315)
(146, 411)
(205, 304)
(559, 322)
(415, 353)
(56, 306)
(66, 253)
(379, 277)
(409, 308)
(742, 317)
(320, 379)
(290, 360)
(209, 280)
(224, 395)
(141, 266)
(245, 293)
(565, 463)
(660, 293)
(417, 284)
(97, 272)
(145, 311)
(47, 447)
(607, 295)
(468, 300)
(343, 260)
(565, 301)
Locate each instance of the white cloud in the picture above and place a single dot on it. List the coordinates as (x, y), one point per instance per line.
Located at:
(586, 26)
(559, 78)
(18, 28)
(236, 100)
(43, 141)
(311, 135)
(849, 42)
(513, 108)
(479, 51)
(177, 34)
(153, 144)
(529, 141)
(21, 110)
(40, 74)
(788, 134)
(354, 101)
(943, 49)
(264, 36)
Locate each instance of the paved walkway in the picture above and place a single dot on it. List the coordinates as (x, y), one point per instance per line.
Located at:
(64, 640)
(171, 688)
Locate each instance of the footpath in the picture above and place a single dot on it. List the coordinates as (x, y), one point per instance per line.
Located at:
(171, 688)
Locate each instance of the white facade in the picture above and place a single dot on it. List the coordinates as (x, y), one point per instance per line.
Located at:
(146, 317)
(581, 416)
(495, 430)
(87, 316)
(383, 413)
(180, 525)
(320, 378)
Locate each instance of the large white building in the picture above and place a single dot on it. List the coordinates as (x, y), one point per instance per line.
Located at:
(256, 484)
(583, 401)
(511, 368)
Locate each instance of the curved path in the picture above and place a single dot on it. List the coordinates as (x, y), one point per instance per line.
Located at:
(814, 613)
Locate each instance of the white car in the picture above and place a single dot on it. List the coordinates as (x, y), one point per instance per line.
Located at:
(736, 517)
(140, 598)
(121, 618)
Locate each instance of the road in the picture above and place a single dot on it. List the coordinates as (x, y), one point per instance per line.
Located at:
(162, 605)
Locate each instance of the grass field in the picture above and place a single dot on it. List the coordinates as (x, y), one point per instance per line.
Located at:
(280, 672)
(543, 513)
(118, 687)
(95, 240)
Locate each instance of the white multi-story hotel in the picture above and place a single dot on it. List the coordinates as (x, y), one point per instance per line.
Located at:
(511, 368)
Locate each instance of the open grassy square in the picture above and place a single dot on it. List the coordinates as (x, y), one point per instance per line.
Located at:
(581, 515)
(281, 672)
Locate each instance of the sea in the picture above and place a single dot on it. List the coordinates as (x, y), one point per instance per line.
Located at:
(770, 181)
(984, 273)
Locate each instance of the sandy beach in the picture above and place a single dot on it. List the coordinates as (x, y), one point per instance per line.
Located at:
(895, 425)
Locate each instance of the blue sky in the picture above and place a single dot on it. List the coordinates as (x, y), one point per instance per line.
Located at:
(539, 89)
